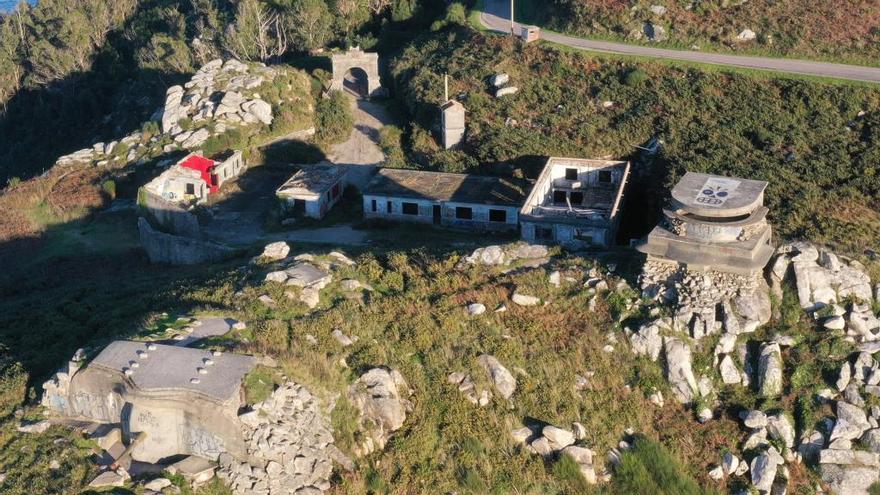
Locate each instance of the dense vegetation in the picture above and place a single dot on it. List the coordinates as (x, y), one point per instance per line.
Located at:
(76, 72)
(833, 30)
(815, 143)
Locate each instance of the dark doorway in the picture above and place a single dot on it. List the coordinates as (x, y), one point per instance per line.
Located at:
(357, 83)
(437, 215)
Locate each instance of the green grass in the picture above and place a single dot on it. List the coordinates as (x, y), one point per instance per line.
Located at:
(259, 384)
(650, 469)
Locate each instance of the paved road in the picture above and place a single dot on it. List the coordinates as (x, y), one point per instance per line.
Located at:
(361, 152)
(497, 18)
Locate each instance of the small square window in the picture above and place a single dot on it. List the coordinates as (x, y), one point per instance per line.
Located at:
(576, 198)
(497, 215)
(410, 208)
(605, 176)
(559, 197)
(464, 213)
(544, 233)
(191, 189)
(571, 174)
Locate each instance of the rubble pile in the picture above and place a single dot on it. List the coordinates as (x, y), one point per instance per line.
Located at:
(290, 446)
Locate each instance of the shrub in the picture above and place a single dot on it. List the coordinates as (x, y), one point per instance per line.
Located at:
(13, 182)
(109, 188)
(13, 385)
(635, 78)
(333, 120)
(567, 471)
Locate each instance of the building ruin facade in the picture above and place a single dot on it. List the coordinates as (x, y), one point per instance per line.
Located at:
(444, 199)
(575, 202)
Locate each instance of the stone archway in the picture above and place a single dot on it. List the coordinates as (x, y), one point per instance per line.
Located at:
(355, 61)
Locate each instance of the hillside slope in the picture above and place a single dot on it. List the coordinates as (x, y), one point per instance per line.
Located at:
(795, 28)
(815, 143)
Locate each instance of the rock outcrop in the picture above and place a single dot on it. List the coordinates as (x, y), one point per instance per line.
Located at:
(381, 396)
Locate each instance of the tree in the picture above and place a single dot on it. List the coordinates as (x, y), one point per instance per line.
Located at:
(310, 24)
(258, 32)
(350, 14)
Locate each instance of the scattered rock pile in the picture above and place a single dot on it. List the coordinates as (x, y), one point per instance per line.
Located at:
(552, 442)
(289, 443)
(220, 92)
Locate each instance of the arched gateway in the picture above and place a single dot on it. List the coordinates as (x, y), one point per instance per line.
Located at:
(352, 67)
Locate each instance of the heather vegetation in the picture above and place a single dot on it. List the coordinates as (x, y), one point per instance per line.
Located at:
(837, 31)
(815, 143)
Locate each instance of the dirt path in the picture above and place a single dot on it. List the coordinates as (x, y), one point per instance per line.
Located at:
(497, 18)
(361, 152)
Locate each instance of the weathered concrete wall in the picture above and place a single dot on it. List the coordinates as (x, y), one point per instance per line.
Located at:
(569, 235)
(179, 250)
(169, 216)
(479, 221)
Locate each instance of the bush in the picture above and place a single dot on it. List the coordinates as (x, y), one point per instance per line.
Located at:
(635, 78)
(567, 471)
(109, 188)
(333, 120)
(13, 385)
(649, 469)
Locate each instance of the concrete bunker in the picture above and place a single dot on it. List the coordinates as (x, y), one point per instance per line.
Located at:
(358, 72)
(176, 400)
(713, 222)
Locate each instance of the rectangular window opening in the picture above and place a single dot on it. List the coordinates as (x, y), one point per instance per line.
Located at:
(571, 174)
(576, 198)
(559, 197)
(605, 176)
(410, 208)
(190, 188)
(464, 213)
(388, 208)
(544, 233)
(373, 206)
(497, 215)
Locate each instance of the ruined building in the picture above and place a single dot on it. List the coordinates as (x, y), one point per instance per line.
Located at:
(713, 223)
(193, 178)
(575, 202)
(313, 190)
(453, 200)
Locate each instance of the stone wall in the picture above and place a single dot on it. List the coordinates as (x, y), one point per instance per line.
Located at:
(169, 216)
(178, 250)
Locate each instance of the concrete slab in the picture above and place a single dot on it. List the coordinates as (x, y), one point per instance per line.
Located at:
(159, 367)
(716, 196)
(194, 469)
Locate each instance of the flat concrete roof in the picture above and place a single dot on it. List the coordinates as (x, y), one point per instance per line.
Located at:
(439, 186)
(718, 196)
(168, 368)
(312, 181)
